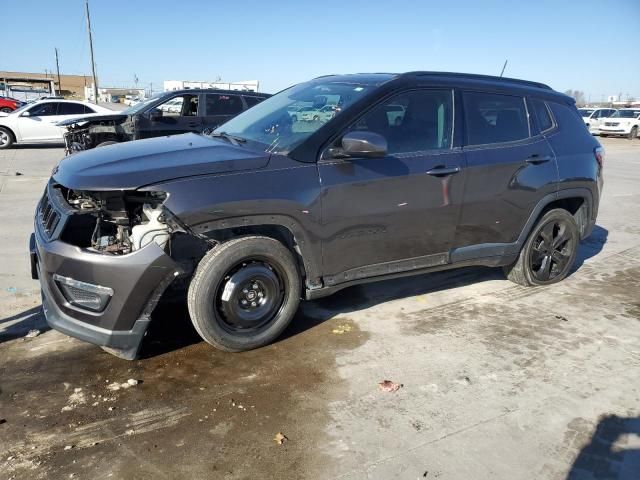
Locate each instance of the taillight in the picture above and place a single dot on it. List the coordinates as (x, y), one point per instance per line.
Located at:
(598, 152)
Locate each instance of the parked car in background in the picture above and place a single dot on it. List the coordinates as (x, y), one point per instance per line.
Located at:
(296, 111)
(8, 104)
(166, 113)
(623, 123)
(248, 221)
(593, 117)
(321, 114)
(38, 122)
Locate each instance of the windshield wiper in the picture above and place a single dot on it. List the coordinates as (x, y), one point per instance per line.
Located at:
(233, 139)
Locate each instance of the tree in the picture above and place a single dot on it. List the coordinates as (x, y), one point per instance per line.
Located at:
(577, 95)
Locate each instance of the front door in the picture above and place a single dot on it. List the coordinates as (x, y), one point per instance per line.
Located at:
(176, 115)
(398, 212)
(40, 124)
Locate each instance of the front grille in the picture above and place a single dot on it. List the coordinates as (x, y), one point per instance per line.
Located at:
(611, 124)
(49, 217)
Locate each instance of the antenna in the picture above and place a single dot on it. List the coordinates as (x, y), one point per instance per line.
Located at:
(503, 67)
(93, 63)
(58, 69)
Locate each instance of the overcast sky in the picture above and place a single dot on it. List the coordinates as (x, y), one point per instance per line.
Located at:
(589, 45)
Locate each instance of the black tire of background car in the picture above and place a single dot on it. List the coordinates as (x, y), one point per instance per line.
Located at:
(9, 137)
(6, 110)
(203, 298)
(633, 133)
(521, 272)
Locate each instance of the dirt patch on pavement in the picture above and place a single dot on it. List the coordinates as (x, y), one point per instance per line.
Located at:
(195, 411)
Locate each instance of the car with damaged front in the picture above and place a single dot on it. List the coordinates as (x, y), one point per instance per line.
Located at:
(166, 113)
(264, 211)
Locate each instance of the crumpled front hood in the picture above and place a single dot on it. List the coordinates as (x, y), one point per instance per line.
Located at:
(93, 118)
(131, 165)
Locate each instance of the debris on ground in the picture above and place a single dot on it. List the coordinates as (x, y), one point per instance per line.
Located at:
(3, 420)
(341, 329)
(389, 386)
(115, 386)
(32, 333)
(280, 438)
(75, 399)
(68, 447)
(12, 289)
(560, 317)
(131, 431)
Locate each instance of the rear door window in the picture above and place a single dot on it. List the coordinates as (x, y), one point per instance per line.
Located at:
(494, 118)
(251, 101)
(71, 109)
(221, 104)
(542, 113)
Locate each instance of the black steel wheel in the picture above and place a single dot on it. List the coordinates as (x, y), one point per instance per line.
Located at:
(550, 251)
(244, 293)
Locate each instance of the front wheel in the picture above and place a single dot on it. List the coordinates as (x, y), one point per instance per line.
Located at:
(633, 133)
(6, 110)
(6, 138)
(244, 293)
(549, 253)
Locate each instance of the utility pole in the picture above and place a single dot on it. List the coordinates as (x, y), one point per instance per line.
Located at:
(58, 69)
(503, 67)
(93, 63)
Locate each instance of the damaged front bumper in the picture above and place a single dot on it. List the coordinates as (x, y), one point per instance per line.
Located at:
(99, 298)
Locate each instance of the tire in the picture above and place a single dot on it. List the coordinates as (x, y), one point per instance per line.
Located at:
(6, 138)
(538, 252)
(223, 310)
(294, 118)
(603, 135)
(6, 110)
(633, 133)
(316, 118)
(107, 143)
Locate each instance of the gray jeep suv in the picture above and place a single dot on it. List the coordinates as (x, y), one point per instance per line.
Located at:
(266, 211)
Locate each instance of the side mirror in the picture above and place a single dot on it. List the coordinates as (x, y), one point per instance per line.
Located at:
(364, 144)
(155, 115)
(26, 114)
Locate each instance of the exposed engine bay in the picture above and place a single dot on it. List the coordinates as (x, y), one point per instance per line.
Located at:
(90, 133)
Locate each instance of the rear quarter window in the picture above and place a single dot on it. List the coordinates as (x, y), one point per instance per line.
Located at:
(545, 122)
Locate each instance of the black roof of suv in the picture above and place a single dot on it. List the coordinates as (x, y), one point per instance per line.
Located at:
(403, 174)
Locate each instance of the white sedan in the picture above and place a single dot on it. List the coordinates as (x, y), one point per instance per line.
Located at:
(37, 122)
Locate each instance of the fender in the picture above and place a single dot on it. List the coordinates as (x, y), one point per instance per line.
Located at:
(309, 246)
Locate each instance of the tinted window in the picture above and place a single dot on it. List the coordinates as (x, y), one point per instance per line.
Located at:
(219, 104)
(412, 121)
(44, 109)
(494, 118)
(251, 101)
(71, 109)
(88, 110)
(542, 112)
(184, 105)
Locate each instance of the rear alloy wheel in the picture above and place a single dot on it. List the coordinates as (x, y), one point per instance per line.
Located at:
(549, 252)
(6, 138)
(633, 133)
(244, 293)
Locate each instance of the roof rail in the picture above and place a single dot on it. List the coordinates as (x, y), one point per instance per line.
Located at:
(474, 76)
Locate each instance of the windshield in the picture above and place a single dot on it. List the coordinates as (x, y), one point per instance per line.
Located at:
(132, 110)
(626, 114)
(284, 121)
(585, 112)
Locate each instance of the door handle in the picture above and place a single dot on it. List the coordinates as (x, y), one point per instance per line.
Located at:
(442, 171)
(193, 124)
(536, 159)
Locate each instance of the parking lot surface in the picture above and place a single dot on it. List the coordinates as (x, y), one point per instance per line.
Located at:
(498, 380)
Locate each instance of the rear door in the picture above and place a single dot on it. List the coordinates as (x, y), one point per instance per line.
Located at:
(221, 107)
(40, 125)
(398, 212)
(510, 167)
(178, 114)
